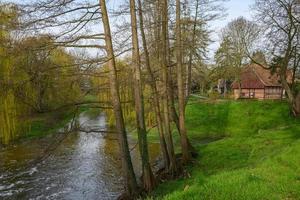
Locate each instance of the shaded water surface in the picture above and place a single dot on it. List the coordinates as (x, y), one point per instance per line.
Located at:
(83, 166)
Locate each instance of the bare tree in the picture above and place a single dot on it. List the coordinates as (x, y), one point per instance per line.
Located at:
(127, 168)
(148, 177)
(197, 15)
(180, 84)
(281, 22)
(238, 43)
(165, 79)
(189, 66)
(154, 89)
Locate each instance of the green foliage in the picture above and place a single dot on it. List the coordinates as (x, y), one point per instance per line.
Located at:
(238, 39)
(125, 77)
(258, 157)
(49, 74)
(35, 77)
(227, 61)
(9, 108)
(8, 117)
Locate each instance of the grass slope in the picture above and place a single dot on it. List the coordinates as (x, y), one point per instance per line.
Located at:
(47, 123)
(258, 158)
(43, 124)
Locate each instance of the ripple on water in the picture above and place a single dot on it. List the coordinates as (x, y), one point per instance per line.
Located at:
(6, 194)
(84, 166)
(6, 187)
(32, 171)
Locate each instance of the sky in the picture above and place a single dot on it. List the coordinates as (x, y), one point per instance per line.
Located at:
(239, 8)
(235, 9)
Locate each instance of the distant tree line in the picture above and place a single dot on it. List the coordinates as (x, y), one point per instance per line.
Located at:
(34, 77)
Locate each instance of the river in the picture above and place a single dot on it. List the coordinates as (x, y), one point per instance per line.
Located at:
(82, 166)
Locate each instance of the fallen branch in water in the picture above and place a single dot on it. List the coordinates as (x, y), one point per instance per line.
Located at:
(95, 131)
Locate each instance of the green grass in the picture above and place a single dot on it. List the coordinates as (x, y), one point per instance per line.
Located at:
(258, 157)
(41, 125)
(44, 124)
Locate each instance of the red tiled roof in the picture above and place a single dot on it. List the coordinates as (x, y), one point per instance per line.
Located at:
(255, 76)
(266, 76)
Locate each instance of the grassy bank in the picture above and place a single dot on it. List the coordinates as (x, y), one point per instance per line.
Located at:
(44, 124)
(258, 157)
(41, 125)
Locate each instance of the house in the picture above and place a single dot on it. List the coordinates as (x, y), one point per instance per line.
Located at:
(258, 83)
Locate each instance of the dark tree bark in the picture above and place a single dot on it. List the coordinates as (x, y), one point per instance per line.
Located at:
(148, 177)
(180, 84)
(154, 90)
(281, 22)
(190, 62)
(131, 187)
(165, 79)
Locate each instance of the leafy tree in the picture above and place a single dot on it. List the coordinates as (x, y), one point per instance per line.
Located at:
(238, 42)
(9, 109)
(227, 63)
(48, 75)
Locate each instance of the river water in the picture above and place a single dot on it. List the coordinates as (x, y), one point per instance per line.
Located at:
(82, 166)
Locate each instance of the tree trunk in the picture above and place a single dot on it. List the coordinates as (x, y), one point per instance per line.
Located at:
(131, 187)
(171, 98)
(173, 113)
(297, 105)
(164, 68)
(175, 119)
(148, 177)
(190, 62)
(154, 90)
(293, 100)
(283, 76)
(180, 85)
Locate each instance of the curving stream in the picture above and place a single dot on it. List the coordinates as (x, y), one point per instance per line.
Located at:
(82, 166)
